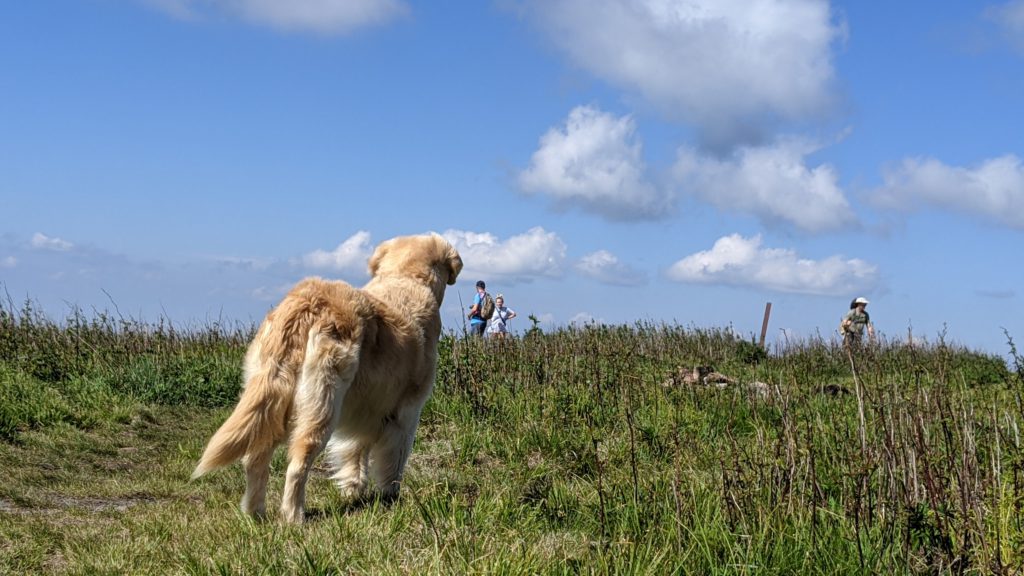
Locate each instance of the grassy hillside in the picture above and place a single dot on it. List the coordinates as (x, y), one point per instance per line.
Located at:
(575, 451)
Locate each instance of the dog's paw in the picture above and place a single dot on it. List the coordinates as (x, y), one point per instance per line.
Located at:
(351, 489)
(291, 515)
(388, 493)
(257, 510)
(351, 485)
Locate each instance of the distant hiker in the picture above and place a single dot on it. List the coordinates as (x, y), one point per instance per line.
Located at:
(497, 327)
(477, 321)
(855, 322)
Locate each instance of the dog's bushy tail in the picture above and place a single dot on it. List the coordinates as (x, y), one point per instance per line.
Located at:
(256, 426)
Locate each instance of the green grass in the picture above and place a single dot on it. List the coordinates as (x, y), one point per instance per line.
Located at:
(556, 453)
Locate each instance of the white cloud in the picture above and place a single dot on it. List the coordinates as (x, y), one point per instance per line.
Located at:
(772, 183)
(8, 262)
(349, 257)
(535, 253)
(320, 16)
(724, 65)
(605, 267)
(595, 164)
(41, 241)
(738, 261)
(992, 190)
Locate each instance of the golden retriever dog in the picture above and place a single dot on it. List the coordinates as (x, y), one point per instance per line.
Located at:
(351, 365)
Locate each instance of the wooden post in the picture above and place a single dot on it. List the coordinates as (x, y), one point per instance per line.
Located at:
(764, 325)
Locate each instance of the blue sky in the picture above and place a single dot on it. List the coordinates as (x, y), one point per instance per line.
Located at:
(593, 160)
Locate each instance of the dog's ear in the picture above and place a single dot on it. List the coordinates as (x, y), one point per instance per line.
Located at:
(378, 255)
(454, 265)
(450, 256)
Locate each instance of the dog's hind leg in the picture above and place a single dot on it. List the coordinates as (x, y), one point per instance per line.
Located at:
(256, 462)
(327, 372)
(257, 471)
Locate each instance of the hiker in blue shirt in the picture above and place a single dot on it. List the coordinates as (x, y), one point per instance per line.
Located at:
(476, 323)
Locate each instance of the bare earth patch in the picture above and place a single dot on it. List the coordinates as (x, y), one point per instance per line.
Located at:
(59, 503)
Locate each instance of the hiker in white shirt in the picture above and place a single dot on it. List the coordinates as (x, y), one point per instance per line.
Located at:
(497, 326)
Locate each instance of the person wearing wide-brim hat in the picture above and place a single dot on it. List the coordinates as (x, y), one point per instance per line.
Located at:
(856, 322)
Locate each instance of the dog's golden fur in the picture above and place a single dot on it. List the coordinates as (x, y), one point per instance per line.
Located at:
(353, 365)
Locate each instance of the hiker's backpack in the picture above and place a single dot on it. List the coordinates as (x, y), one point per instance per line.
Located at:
(487, 307)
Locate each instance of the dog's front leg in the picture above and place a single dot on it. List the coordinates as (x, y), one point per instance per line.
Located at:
(389, 455)
(350, 459)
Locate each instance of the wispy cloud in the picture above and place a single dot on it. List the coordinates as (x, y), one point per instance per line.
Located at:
(180, 9)
(349, 257)
(270, 293)
(319, 16)
(583, 319)
(606, 268)
(65, 273)
(521, 258)
(992, 191)
(594, 163)
(730, 67)
(239, 263)
(772, 183)
(1009, 17)
(41, 241)
(997, 294)
(738, 261)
